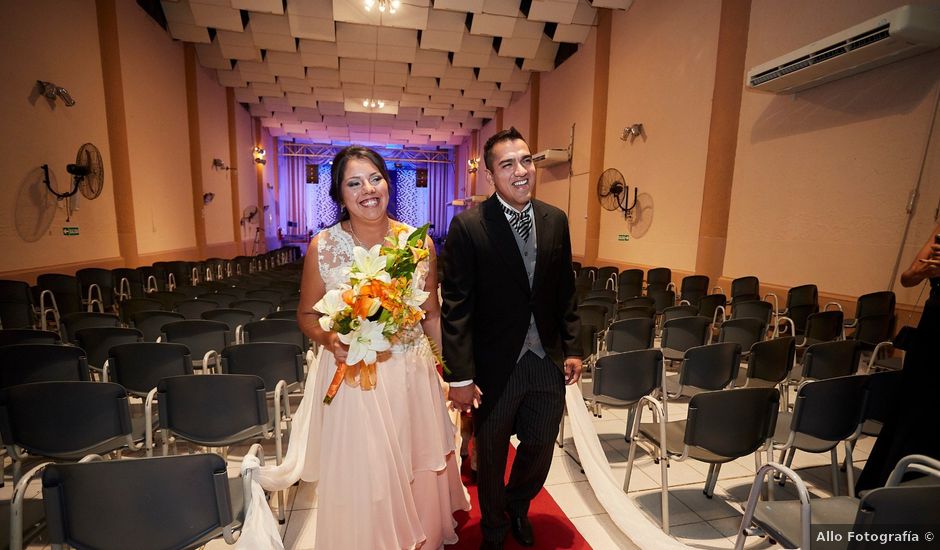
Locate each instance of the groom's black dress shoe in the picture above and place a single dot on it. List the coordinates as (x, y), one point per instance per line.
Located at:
(522, 530)
(488, 545)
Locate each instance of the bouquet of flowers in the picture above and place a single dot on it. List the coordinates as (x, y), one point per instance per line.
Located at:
(381, 301)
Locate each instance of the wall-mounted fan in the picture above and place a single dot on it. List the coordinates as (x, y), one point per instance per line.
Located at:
(87, 176)
(249, 215)
(613, 192)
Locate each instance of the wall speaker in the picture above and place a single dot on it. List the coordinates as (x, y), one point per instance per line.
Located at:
(313, 174)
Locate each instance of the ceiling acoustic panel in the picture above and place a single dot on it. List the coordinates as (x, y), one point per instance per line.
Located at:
(441, 68)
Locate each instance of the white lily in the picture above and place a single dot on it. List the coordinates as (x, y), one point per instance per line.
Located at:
(416, 295)
(369, 264)
(365, 342)
(331, 304)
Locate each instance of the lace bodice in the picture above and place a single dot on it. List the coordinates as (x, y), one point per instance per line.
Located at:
(335, 252)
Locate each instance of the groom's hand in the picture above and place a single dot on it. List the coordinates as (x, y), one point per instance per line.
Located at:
(464, 398)
(572, 370)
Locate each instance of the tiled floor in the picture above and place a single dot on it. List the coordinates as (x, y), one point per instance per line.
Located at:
(695, 520)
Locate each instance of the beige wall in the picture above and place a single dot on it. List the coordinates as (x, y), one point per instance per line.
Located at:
(662, 71)
(518, 114)
(56, 42)
(822, 177)
(214, 144)
(157, 133)
(248, 174)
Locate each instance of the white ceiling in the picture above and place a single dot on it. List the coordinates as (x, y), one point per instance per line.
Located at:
(442, 67)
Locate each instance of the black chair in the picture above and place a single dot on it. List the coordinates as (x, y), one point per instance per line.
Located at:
(822, 326)
(178, 273)
(64, 420)
(662, 299)
(59, 295)
(636, 301)
(127, 283)
(630, 335)
(769, 363)
(830, 360)
(191, 292)
(73, 322)
(283, 314)
(13, 336)
(602, 294)
(147, 504)
(168, 299)
(583, 283)
(745, 289)
(150, 322)
(711, 304)
(693, 288)
(894, 508)
(609, 305)
(873, 304)
(704, 368)
(825, 413)
(27, 363)
(97, 342)
(193, 309)
(629, 284)
(205, 339)
(676, 312)
(721, 426)
(16, 305)
(97, 285)
(802, 301)
(261, 308)
(683, 333)
(289, 303)
(635, 312)
(606, 278)
(753, 309)
(658, 278)
(745, 332)
(131, 306)
(276, 330)
(223, 299)
(236, 319)
(154, 280)
(268, 295)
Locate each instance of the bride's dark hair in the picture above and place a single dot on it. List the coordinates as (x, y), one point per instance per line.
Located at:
(339, 167)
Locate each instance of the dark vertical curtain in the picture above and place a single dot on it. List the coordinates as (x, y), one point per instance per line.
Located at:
(441, 193)
(292, 180)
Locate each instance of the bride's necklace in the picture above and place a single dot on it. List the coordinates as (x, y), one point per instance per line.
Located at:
(358, 241)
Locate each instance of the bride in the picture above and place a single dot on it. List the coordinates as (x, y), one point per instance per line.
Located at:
(383, 459)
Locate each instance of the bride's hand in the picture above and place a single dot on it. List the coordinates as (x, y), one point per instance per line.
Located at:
(338, 348)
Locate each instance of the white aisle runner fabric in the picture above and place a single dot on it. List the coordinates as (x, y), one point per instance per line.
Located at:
(622, 510)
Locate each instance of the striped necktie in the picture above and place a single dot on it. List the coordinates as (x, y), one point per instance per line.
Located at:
(521, 221)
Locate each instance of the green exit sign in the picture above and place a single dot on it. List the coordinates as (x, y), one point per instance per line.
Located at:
(70, 231)
(623, 237)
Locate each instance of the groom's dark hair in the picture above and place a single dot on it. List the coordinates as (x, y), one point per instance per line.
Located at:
(505, 135)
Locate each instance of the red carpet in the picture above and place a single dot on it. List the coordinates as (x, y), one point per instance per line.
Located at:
(551, 526)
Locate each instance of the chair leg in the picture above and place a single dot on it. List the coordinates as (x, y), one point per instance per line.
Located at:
(849, 469)
(711, 480)
(631, 414)
(834, 467)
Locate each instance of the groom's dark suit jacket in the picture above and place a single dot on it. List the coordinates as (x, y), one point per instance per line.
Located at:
(487, 302)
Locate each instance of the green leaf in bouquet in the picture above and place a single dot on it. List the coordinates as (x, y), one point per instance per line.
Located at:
(419, 234)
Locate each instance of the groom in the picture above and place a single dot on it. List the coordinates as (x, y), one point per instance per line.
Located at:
(510, 333)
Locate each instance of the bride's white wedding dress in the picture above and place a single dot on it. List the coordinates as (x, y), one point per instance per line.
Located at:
(384, 459)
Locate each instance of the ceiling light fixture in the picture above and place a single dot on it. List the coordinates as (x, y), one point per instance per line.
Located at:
(391, 6)
(370, 103)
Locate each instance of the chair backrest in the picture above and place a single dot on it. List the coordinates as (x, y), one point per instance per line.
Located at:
(65, 288)
(199, 335)
(875, 303)
(97, 342)
(831, 359)
(754, 309)
(141, 365)
(610, 306)
(168, 299)
(637, 301)
(150, 322)
(824, 326)
(771, 360)
(268, 295)
(26, 363)
(191, 292)
(73, 322)
(606, 272)
(662, 299)
(594, 315)
(685, 332)
(276, 330)
(630, 335)
(65, 419)
(709, 303)
(884, 393)
(231, 317)
(129, 307)
(635, 312)
(710, 367)
(272, 361)
(133, 283)
(693, 287)
(283, 314)
(677, 312)
(630, 283)
(606, 295)
(223, 299)
(144, 503)
(658, 278)
(744, 289)
(261, 308)
(900, 506)
(97, 276)
(802, 301)
(289, 303)
(746, 332)
(13, 336)
(830, 409)
(628, 376)
(214, 410)
(193, 309)
(874, 329)
(732, 423)
(16, 304)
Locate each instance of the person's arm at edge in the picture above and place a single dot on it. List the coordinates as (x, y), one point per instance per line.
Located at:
(923, 266)
(570, 322)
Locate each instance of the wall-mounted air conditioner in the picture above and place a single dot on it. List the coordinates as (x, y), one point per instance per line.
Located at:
(895, 35)
(550, 157)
